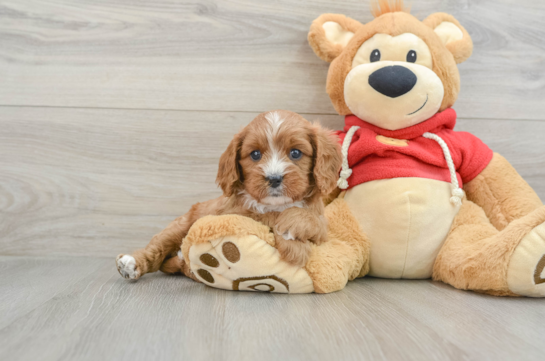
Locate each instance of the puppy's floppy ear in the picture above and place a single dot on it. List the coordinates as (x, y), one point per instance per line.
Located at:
(330, 33)
(229, 173)
(327, 161)
(452, 34)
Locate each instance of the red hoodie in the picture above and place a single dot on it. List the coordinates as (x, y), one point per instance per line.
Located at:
(374, 155)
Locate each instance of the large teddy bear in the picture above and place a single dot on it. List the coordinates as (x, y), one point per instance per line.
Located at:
(419, 199)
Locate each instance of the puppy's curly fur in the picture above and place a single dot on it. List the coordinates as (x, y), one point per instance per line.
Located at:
(275, 171)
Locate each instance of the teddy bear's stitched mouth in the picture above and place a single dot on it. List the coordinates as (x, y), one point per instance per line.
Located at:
(423, 105)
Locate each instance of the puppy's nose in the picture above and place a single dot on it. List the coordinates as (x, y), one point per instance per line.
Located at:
(393, 81)
(275, 180)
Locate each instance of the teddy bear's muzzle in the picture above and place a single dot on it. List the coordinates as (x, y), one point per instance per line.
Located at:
(393, 81)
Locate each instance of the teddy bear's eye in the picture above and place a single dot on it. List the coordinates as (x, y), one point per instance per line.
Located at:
(411, 56)
(255, 155)
(375, 56)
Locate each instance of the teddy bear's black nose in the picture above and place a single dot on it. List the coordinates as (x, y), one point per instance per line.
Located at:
(392, 81)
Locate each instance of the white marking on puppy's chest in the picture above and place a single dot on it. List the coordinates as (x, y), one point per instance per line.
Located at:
(252, 204)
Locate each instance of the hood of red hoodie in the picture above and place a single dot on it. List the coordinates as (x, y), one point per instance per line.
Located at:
(442, 120)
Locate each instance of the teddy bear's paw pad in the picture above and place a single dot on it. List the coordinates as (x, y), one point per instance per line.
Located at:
(126, 266)
(246, 263)
(526, 272)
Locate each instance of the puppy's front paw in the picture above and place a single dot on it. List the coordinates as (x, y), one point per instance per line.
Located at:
(288, 236)
(289, 229)
(301, 225)
(126, 266)
(292, 251)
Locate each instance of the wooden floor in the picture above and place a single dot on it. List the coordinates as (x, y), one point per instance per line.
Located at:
(60, 308)
(113, 114)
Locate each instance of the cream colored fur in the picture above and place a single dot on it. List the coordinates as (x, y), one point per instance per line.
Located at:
(526, 270)
(420, 104)
(407, 221)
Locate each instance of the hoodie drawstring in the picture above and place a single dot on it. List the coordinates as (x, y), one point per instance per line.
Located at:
(457, 192)
(346, 172)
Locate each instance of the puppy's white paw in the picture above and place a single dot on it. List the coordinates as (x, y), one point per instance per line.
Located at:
(288, 236)
(126, 266)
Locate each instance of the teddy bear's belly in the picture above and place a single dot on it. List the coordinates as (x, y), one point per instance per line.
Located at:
(407, 221)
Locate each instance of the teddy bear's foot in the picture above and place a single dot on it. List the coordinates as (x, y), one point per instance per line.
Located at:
(236, 253)
(246, 264)
(526, 272)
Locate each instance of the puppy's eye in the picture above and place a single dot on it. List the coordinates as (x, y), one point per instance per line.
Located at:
(255, 155)
(411, 56)
(295, 154)
(375, 56)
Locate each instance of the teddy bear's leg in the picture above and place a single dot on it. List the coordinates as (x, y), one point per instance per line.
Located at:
(234, 252)
(502, 193)
(237, 253)
(345, 256)
(477, 256)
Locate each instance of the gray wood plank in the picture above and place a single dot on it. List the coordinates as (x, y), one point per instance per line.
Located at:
(28, 283)
(102, 182)
(104, 317)
(449, 310)
(240, 55)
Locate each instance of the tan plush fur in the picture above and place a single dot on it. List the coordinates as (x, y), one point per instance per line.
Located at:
(392, 23)
(500, 209)
(381, 7)
(502, 193)
(461, 49)
(294, 210)
(317, 37)
(209, 228)
(344, 257)
(476, 255)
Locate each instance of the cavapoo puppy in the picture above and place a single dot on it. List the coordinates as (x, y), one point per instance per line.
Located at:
(275, 171)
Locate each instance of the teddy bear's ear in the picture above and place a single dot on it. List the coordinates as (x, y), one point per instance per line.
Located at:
(330, 33)
(452, 34)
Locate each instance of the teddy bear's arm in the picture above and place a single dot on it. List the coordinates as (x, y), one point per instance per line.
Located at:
(502, 193)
